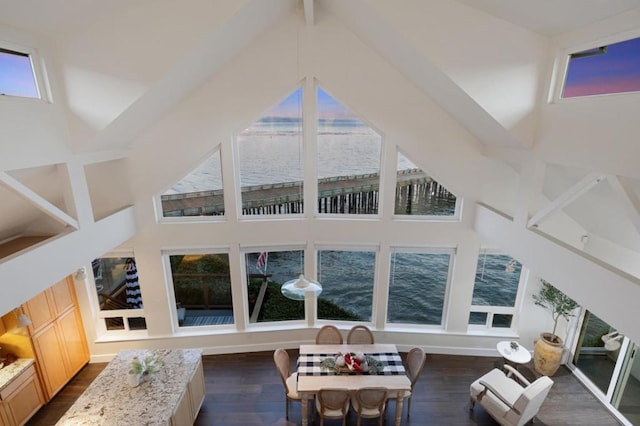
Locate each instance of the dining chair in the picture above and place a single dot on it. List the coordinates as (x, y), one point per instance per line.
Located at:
(329, 335)
(283, 364)
(333, 403)
(415, 363)
(360, 334)
(369, 403)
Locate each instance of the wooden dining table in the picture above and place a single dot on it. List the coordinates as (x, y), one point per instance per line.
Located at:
(312, 376)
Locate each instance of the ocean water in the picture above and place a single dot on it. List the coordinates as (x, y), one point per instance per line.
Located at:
(417, 284)
(270, 152)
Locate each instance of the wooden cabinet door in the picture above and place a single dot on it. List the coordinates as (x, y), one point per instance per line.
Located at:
(3, 420)
(62, 295)
(182, 416)
(50, 355)
(24, 402)
(39, 311)
(74, 341)
(197, 391)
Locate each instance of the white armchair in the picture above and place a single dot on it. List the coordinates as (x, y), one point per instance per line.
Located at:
(508, 396)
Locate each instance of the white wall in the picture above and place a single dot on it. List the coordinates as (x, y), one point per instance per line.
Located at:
(33, 132)
(609, 293)
(28, 274)
(257, 78)
(596, 133)
(501, 66)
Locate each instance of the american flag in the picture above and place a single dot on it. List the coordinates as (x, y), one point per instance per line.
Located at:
(261, 263)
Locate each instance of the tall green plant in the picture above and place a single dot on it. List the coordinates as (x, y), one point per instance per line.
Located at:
(557, 302)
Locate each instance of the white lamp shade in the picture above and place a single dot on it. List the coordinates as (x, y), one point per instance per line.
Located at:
(296, 289)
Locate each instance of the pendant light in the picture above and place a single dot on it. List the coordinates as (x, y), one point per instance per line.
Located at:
(298, 288)
(22, 318)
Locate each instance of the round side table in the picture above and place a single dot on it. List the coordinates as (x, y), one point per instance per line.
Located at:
(514, 356)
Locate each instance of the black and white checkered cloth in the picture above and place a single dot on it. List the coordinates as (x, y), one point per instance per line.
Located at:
(309, 364)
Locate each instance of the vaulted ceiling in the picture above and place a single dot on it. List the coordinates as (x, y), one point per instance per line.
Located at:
(140, 58)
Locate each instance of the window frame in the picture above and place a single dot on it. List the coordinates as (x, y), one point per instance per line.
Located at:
(236, 162)
(157, 199)
(101, 316)
(381, 173)
(561, 67)
(455, 217)
(244, 250)
(452, 251)
(490, 310)
(171, 295)
(375, 249)
(37, 69)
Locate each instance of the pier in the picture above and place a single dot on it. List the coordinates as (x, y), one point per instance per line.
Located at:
(353, 194)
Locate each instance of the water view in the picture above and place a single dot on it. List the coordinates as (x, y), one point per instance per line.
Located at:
(417, 282)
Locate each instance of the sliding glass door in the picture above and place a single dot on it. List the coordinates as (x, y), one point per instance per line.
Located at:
(608, 360)
(626, 396)
(592, 358)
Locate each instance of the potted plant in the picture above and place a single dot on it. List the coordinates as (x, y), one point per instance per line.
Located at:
(548, 349)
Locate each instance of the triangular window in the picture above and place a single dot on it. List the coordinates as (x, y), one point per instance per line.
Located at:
(270, 160)
(349, 153)
(199, 193)
(417, 193)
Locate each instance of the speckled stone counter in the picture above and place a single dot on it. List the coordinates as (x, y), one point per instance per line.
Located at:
(110, 400)
(13, 370)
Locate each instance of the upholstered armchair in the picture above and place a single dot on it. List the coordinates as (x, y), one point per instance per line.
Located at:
(508, 396)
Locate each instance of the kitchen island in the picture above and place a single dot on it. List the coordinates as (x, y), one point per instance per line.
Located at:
(171, 396)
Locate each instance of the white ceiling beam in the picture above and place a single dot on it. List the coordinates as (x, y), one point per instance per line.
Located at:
(308, 12)
(529, 190)
(86, 158)
(600, 287)
(630, 200)
(567, 197)
(14, 185)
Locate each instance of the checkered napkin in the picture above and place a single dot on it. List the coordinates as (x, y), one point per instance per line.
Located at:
(309, 364)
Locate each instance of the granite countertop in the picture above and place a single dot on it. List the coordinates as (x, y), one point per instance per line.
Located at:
(13, 370)
(110, 400)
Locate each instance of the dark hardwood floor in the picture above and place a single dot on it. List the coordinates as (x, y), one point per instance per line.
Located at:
(244, 389)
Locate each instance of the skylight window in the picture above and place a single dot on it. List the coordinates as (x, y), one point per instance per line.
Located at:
(17, 77)
(604, 70)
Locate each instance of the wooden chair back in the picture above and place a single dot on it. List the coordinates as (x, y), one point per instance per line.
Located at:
(281, 359)
(370, 403)
(416, 360)
(360, 334)
(329, 335)
(333, 403)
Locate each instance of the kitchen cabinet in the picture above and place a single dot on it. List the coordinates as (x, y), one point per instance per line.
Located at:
(63, 296)
(197, 391)
(187, 410)
(50, 356)
(3, 418)
(21, 398)
(57, 335)
(45, 307)
(74, 341)
(38, 309)
(182, 416)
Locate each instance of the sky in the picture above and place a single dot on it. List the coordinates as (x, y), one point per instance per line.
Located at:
(16, 76)
(616, 71)
(328, 107)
